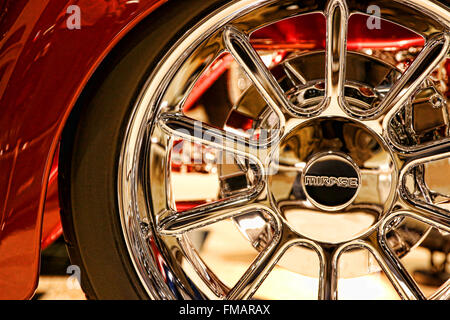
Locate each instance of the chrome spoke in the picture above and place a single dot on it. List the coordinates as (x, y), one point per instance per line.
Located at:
(178, 125)
(432, 215)
(261, 267)
(397, 274)
(427, 213)
(443, 293)
(336, 48)
(426, 153)
(429, 155)
(434, 153)
(418, 209)
(176, 223)
(294, 75)
(240, 48)
(432, 54)
(256, 274)
(328, 279)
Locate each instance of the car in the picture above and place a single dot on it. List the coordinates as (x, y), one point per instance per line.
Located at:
(194, 149)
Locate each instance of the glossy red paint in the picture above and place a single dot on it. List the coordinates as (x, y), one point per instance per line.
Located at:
(43, 68)
(51, 225)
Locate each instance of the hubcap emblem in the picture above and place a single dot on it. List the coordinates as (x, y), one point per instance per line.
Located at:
(331, 181)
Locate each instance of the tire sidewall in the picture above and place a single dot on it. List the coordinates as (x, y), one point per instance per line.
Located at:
(90, 149)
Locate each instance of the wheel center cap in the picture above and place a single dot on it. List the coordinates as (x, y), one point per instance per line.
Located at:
(335, 181)
(331, 181)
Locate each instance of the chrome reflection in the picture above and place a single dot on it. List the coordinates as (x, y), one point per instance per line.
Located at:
(155, 233)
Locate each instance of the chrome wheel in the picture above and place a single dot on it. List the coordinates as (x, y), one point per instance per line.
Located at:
(336, 142)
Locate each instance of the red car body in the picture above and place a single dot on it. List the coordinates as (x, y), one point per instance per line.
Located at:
(44, 67)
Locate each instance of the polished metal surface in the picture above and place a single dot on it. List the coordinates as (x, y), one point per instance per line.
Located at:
(338, 124)
(327, 152)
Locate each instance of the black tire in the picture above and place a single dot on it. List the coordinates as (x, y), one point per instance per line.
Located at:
(90, 148)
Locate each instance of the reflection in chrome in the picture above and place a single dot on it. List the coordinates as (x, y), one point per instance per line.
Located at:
(333, 113)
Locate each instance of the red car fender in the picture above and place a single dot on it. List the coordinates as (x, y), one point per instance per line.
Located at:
(44, 67)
